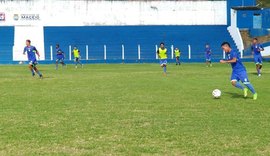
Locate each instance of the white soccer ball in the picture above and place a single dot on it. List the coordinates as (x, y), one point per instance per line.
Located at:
(216, 93)
(21, 62)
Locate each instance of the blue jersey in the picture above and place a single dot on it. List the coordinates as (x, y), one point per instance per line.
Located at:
(59, 52)
(256, 49)
(238, 65)
(31, 52)
(207, 52)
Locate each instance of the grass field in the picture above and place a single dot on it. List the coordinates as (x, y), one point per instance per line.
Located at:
(131, 109)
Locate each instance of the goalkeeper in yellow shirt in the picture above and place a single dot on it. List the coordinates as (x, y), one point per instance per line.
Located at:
(76, 54)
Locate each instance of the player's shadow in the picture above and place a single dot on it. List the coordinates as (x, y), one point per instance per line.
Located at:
(254, 73)
(234, 95)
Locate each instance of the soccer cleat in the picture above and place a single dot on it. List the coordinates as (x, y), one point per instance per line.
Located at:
(245, 92)
(41, 76)
(255, 96)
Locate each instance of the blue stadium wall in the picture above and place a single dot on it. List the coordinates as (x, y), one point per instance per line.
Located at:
(6, 44)
(132, 36)
(129, 36)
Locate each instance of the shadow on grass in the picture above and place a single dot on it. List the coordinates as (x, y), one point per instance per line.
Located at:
(235, 95)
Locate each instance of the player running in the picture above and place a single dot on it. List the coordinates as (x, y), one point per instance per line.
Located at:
(76, 54)
(208, 53)
(239, 72)
(162, 55)
(31, 54)
(256, 50)
(177, 54)
(60, 56)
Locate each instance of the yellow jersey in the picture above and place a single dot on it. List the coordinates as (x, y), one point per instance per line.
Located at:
(177, 53)
(76, 53)
(162, 53)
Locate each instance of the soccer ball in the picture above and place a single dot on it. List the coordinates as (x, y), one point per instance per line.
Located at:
(216, 93)
(21, 62)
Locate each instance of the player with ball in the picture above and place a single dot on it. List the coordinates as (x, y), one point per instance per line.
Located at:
(239, 72)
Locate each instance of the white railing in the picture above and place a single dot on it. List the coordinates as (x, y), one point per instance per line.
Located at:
(123, 54)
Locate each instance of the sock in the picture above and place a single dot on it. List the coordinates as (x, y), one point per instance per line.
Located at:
(250, 87)
(56, 66)
(32, 70)
(37, 71)
(238, 85)
(165, 69)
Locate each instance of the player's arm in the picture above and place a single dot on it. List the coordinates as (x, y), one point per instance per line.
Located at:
(24, 50)
(158, 53)
(58, 52)
(229, 61)
(38, 54)
(252, 50)
(261, 48)
(35, 49)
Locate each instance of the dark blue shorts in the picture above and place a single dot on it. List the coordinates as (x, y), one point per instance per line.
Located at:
(33, 62)
(240, 76)
(258, 59)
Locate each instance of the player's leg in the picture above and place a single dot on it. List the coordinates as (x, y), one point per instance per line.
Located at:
(79, 61)
(244, 78)
(235, 81)
(76, 62)
(37, 71)
(165, 66)
(56, 64)
(178, 60)
(260, 61)
(207, 62)
(30, 66)
(62, 62)
(257, 62)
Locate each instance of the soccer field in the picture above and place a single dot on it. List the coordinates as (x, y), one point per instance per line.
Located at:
(132, 109)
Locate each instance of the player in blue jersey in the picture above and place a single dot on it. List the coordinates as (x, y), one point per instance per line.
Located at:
(60, 56)
(239, 72)
(208, 52)
(256, 50)
(31, 54)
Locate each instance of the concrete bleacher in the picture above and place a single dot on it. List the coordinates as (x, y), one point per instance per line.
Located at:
(132, 36)
(6, 44)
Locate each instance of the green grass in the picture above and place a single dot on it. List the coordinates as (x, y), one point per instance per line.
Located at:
(265, 3)
(131, 109)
